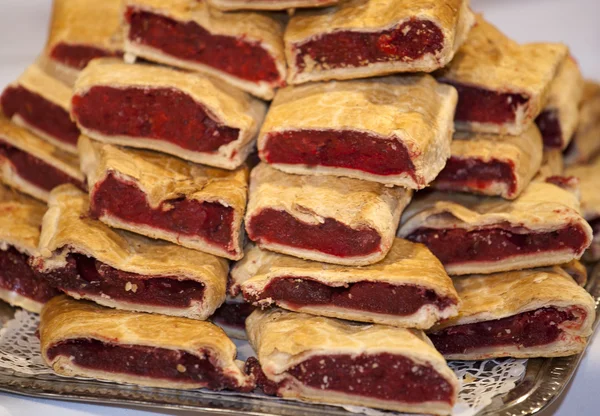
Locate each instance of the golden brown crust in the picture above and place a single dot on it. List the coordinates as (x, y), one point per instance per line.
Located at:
(269, 4)
(401, 109)
(552, 164)
(311, 199)
(67, 227)
(163, 178)
(501, 295)
(542, 207)
(452, 17)
(585, 144)
(406, 264)
(283, 340)
(265, 30)
(22, 139)
(65, 319)
(226, 105)
(491, 61)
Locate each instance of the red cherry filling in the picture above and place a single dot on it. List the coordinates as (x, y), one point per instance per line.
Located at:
(78, 56)
(549, 125)
(476, 175)
(233, 314)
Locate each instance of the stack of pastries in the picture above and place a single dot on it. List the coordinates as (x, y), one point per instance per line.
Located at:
(409, 203)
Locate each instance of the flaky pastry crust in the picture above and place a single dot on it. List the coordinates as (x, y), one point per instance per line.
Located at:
(552, 164)
(269, 4)
(65, 319)
(67, 228)
(585, 144)
(415, 111)
(311, 199)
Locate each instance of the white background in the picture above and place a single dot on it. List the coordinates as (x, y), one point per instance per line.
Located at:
(23, 26)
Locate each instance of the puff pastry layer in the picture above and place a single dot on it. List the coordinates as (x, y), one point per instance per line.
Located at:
(473, 234)
(408, 288)
(502, 85)
(244, 49)
(87, 259)
(79, 338)
(32, 165)
(40, 103)
(359, 39)
(585, 145)
(187, 204)
(489, 164)
(187, 115)
(269, 4)
(333, 220)
(523, 314)
(326, 360)
(394, 130)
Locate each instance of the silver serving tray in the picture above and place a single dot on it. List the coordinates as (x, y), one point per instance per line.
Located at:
(544, 381)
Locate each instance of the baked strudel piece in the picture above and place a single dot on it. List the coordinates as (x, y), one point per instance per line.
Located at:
(323, 218)
(327, 360)
(80, 31)
(359, 39)
(20, 221)
(558, 120)
(408, 288)
(394, 130)
(187, 115)
(86, 259)
(41, 103)
(522, 314)
(269, 4)
(586, 143)
(164, 197)
(589, 186)
(489, 164)
(502, 86)
(474, 234)
(245, 49)
(81, 339)
(32, 165)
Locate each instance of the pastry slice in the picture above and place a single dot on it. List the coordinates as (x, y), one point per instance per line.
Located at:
(394, 130)
(489, 164)
(20, 221)
(323, 218)
(81, 30)
(589, 186)
(187, 204)
(231, 316)
(558, 120)
(269, 4)
(86, 259)
(474, 234)
(325, 360)
(40, 103)
(585, 145)
(187, 115)
(577, 270)
(245, 49)
(81, 339)
(522, 314)
(32, 165)
(502, 85)
(409, 288)
(359, 39)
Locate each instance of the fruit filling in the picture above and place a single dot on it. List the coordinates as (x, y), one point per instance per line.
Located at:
(549, 125)
(476, 175)
(78, 56)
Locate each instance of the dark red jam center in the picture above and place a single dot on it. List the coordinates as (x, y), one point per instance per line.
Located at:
(39, 113)
(157, 363)
(375, 297)
(476, 174)
(78, 56)
(342, 149)
(457, 245)
(595, 224)
(528, 329)
(154, 113)
(240, 57)
(484, 106)
(405, 43)
(88, 276)
(330, 237)
(124, 200)
(549, 125)
(382, 376)
(34, 170)
(17, 276)
(233, 314)
(568, 183)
